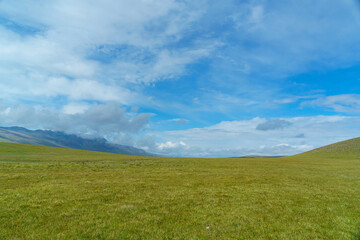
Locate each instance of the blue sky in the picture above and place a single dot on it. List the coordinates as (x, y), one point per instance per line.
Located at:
(184, 78)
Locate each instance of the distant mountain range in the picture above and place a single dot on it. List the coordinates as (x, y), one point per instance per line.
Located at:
(259, 156)
(60, 139)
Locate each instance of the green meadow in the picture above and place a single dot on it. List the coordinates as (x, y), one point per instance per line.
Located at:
(56, 193)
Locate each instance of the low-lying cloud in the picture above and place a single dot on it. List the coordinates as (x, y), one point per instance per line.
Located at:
(238, 138)
(99, 120)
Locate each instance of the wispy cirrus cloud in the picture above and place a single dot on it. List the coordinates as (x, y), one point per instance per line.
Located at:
(179, 120)
(343, 103)
(112, 45)
(292, 36)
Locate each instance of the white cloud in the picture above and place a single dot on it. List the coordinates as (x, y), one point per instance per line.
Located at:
(75, 107)
(170, 145)
(94, 51)
(119, 46)
(171, 148)
(40, 87)
(344, 103)
(105, 120)
(166, 65)
(292, 99)
(237, 138)
(85, 89)
(179, 120)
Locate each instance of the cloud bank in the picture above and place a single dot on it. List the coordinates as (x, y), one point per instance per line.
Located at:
(104, 120)
(238, 138)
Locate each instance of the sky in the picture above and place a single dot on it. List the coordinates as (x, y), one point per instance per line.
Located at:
(184, 78)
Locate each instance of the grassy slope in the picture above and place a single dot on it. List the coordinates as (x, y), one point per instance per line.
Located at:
(54, 193)
(340, 150)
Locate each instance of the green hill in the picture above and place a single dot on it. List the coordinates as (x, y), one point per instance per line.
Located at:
(349, 149)
(57, 193)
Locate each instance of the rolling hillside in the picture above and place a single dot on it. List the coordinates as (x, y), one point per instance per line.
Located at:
(60, 139)
(58, 193)
(349, 148)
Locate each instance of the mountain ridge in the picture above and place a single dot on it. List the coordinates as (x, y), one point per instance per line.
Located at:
(50, 138)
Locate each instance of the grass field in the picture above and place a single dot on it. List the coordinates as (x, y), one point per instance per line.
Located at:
(54, 193)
